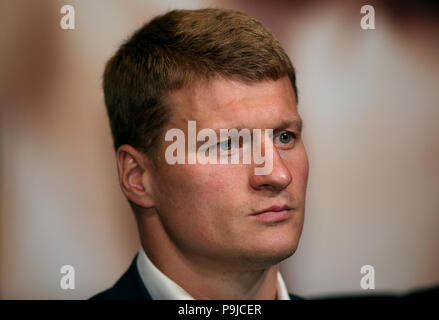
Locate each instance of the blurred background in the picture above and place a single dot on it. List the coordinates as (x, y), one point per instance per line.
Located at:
(369, 100)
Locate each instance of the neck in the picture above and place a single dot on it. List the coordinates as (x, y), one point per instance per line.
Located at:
(202, 277)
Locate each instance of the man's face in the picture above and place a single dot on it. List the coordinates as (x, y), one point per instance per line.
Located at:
(208, 210)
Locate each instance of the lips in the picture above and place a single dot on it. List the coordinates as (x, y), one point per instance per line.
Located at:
(274, 213)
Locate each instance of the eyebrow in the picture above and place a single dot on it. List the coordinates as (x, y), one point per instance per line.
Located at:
(296, 123)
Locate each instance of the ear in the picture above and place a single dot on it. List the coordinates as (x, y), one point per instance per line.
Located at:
(134, 175)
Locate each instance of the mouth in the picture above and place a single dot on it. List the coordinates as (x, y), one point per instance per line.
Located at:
(273, 214)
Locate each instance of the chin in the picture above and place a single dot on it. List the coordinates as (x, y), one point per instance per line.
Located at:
(270, 252)
(282, 251)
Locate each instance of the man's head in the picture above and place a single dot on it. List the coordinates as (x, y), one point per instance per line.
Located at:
(224, 70)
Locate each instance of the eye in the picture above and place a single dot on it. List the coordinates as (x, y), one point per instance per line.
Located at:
(285, 139)
(226, 145)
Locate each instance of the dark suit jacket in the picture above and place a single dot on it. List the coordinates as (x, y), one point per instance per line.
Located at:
(130, 287)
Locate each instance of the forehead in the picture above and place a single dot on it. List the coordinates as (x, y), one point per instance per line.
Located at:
(223, 103)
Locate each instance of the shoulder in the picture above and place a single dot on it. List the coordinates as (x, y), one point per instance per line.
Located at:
(129, 287)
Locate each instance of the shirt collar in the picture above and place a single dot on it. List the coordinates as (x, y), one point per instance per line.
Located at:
(160, 287)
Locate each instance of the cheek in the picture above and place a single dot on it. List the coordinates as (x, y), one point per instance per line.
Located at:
(196, 201)
(305, 167)
(299, 167)
(198, 190)
(181, 198)
(216, 181)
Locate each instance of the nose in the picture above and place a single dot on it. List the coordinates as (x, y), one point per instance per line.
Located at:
(279, 178)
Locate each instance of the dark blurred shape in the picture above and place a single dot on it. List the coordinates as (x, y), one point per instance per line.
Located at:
(402, 11)
(431, 293)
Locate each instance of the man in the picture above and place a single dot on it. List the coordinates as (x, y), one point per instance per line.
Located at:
(207, 230)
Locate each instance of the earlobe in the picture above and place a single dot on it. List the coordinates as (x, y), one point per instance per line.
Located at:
(134, 176)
